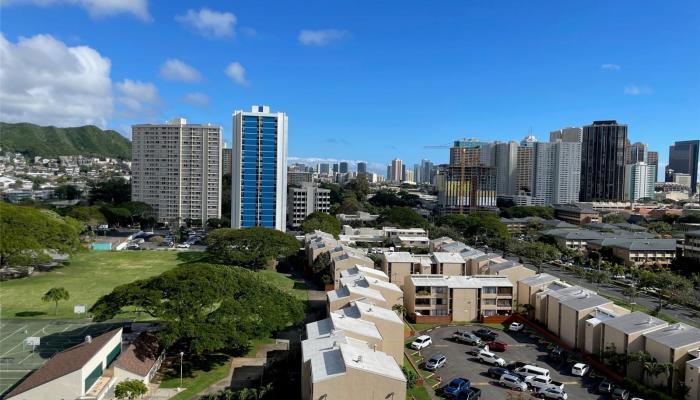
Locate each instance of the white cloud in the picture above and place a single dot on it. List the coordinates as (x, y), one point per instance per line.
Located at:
(196, 99)
(138, 97)
(610, 67)
(46, 82)
(209, 23)
(634, 90)
(97, 8)
(321, 37)
(176, 70)
(236, 72)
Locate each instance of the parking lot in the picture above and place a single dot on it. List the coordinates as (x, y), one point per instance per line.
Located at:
(522, 347)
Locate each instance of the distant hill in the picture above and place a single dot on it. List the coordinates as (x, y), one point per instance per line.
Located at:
(49, 141)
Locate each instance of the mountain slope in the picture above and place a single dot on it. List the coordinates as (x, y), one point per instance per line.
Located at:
(49, 141)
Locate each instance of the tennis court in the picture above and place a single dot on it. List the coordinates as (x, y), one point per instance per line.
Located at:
(18, 358)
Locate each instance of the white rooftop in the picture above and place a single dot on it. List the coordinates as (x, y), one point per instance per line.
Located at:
(675, 336)
(399, 256)
(414, 238)
(368, 282)
(346, 291)
(635, 322)
(448, 257)
(538, 279)
(362, 270)
(366, 309)
(330, 363)
(461, 282)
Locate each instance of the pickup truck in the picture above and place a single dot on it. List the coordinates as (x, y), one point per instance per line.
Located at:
(541, 382)
(466, 337)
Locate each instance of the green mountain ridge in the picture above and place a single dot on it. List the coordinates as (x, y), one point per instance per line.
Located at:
(50, 141)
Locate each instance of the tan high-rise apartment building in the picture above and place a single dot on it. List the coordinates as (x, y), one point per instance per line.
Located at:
(176, 169)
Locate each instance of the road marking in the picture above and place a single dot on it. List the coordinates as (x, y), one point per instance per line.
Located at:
(441, 345)
(20, 343)
(11, 334)
(30, 354)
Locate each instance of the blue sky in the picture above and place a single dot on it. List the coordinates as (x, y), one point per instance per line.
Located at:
(360, 80)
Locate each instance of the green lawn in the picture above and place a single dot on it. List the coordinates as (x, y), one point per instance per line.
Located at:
(297, 287)
(87, 276)
(416, 392)
(197, 376)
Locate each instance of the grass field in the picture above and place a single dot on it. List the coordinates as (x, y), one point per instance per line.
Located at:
(295, 287)
(17, 359)
(87, 276)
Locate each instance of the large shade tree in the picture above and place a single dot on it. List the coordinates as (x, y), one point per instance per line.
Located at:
(206, 307)
(26, 234)
(321, 221)
(251, 248)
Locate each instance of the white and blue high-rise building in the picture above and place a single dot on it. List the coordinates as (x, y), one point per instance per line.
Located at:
(259, 179)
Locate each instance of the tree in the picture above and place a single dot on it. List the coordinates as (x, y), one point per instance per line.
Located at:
(482, 224)
(130, 389)
(403, 217)
(216, 223)
(206, 307)
(349, 204)
(140, 212)
(614, 218)
(400, 309)
(55, 294)
(321, 221)
(360, 186)
(250, 247)
(67, 192)
(322, 267)
(26, 234)
(659, 227)
(116, 215)
(89, 215)
(112, 191)
(411, 377)
(543, 212)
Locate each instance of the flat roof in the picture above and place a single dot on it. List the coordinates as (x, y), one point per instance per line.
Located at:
(399, 256)
(448, 257)
(635, 322)
(675, 336)
(368, 282)
(461, 282)
(346, 291)
(373, 310)
(503, 265)
(585, 300)
(538, 279)
(359, 270)
(413, 238)
(335, 361)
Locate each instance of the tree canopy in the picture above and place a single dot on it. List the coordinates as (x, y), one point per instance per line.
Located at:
(206, 307)
(130, 389)
(89, 215)
(112, 191)
(476, 224)
(321, 221)
(388, 198)
(543, 212)
(614, 218)
(55, 295)
(26, 233)
(403, 217)
(251, 248)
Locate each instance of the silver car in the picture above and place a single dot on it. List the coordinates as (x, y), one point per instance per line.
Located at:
(512, 382)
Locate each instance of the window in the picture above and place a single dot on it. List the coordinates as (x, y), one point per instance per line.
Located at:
(489, 290)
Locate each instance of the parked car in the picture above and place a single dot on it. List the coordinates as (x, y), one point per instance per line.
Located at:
(512, 382)
(516, 327)
(580, 369)
(421, 342)
(466, 337)
(497, 346)
(473, 394)
(132, 246)
(476, 350)
(183, 246)
(485, 334)
(497, 372)
(457, 387)
(490, 358)
(620, 394)
(103, 227)
(605, 387)
(553, 393)
(435, 362)
(542, 382)
(531, 370)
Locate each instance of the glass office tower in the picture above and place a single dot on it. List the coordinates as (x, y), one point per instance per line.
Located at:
(259, 180)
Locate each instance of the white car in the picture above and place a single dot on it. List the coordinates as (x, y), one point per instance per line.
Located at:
(421, 342)
(516, 327)
(487, 357)
(553, 393)
(183, 246)
(580, 369)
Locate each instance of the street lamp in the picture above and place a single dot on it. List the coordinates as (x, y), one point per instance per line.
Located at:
(182, 354)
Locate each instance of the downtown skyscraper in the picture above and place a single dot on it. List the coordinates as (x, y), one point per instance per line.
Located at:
(259, 180)
(603, 157)
(683, 158)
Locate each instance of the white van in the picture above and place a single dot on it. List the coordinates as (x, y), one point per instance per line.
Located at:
(531, 370)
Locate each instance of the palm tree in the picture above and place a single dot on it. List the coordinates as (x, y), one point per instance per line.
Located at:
(400, 309)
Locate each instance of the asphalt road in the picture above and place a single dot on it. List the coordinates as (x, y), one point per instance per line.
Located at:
(680, 313)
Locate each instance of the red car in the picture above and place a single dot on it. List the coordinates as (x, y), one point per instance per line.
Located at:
(497, 346)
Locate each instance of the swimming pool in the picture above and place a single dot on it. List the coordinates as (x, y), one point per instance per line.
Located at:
(101, 246)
